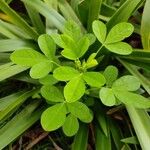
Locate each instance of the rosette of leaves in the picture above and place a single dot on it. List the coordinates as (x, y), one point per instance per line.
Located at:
(64, 85)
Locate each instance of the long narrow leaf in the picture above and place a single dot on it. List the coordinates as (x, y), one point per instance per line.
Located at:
(20, 123)
(16, 19)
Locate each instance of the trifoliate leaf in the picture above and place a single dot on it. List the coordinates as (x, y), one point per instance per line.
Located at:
(71, 125)
(41, 69)
(52, 93)
(94, 79)
(119, 32)
(111, 74)
(121, 48)
(65, 73)
(48, 80)
(74, 89)
(107, 97)
(47, 45)
(100, 30)
(81, 111)
(53, 117)
(27, 57)
(132, 99)
(128, 83)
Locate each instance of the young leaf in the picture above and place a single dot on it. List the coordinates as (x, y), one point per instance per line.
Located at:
(53, 117)
(27, 57)
(69, 54)
(71, 125)
(40, 70)
(132, 99)
(121, 48)
(94, 79)
(119, 32)
(74, 89)
(47, 45)
(73, 30)
(81, 111)
(48, 80)
(107, 96)
(100, 30)
(65, 73)
(82, 46)
(128, 83)
(57, 38)
(111, 74)
(52, 93)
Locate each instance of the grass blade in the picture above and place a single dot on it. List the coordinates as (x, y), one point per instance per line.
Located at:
(145, 30)
(51, 14)
(81, 138)
(20, 123)
(141, 122)
(94, 10)
(11, 71)
(16, 19)
(124, 12)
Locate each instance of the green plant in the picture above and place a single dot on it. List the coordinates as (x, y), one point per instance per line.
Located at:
(76, 68)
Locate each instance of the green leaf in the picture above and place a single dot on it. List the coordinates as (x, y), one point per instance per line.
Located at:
(16, 19)
(48, 80)
(82, 46)
(53, 117)
(80, 111)
(128, 82)
(52, 93)
(41, 69)
(69, 54)
(124, 12)
(107, 96)
(132, 99)
(119, 32)
(94, 79)
(27, 57)
(80, 142)
(74, 89)
(57, 38)
(130, 140)
(65, 73)
(145, 30)
(73, 30)
(100, 30)
(71, 125)
(121, 48)
(20, 123)
(110, 74)
(91, 38)
(47, 45)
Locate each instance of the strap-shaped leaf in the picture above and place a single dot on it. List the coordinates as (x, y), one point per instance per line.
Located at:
(41, 69)
(94, 79)
(74, 89)
(71, 125)
(52, 93)
(27, 57)
(121, 48)
(65, 73)
(53, 117)
(107, 97)
(119, 32)
(81, 111)
(100, 30)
